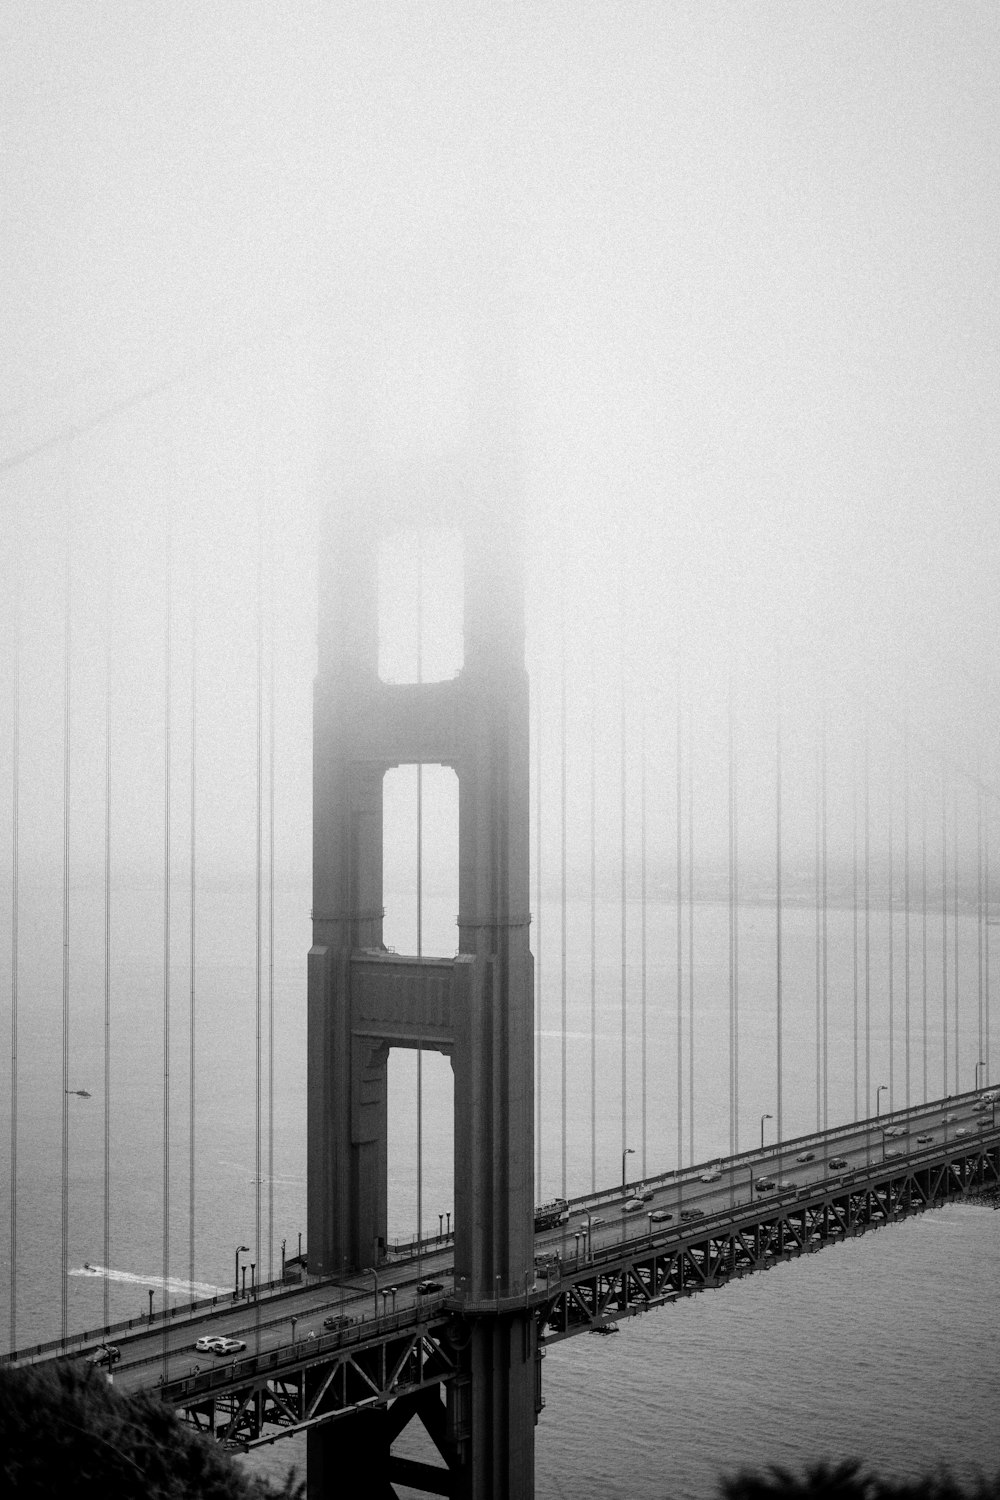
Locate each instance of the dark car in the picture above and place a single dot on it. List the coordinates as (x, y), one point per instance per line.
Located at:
(806, 1156)
(660, 1215)
(765, 1184)
(692, 1213)
(107, 1354)
(838, 1163)
(428, 1288)
(338, 1320)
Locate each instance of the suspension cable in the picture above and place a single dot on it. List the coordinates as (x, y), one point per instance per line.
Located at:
(642, 915)
(854, 915)
(680, 918)
(67, 712)
(923, 924)
(817, 946)
(624, 870)
(167, 674)
(986, 942)
(14, 915)
(944, 932)
(562, 874)
(778, 957)
(258, 899)
(270, 906)
(954, 910)
(108, 626)
(979, 920)
(906, 909)
(192, 938)
(690, 774)
(868, 935)
(420, 907)
(538, 941)
(593, 919)
(825, 932)
(732, 916)
(892, 946)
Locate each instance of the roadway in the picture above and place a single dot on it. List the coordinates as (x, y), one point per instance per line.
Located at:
(597, 1223)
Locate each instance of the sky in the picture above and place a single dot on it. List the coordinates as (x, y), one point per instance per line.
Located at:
(743, 262)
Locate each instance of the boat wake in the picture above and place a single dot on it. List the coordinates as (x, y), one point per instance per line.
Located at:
(173, 1284)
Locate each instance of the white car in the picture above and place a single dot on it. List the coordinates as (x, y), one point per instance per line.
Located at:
(712, 1175)
(633, 1205)
(208, 1343)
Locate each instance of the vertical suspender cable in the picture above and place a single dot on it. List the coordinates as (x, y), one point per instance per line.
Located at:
(868, 934)
(624, 868)
(192, 903)
(593, 920)
(539, 1080)
(923, 929)
(825, 933)
(854, 919)
(420, 905)
(778, 957)
(562, 874)
(15, 768)
(258, 903)
(108, 616)
(270, 909)
(818, 978)
(732, 916)
(891, 942)
(67, 710)
(944, 934)
(167, 673)
(986, 942)
(642, 913)
(690, 771)
(906, 911)
(979, 914)
(680, 922)
(954, 918)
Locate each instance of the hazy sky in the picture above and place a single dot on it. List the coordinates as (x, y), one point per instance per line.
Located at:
(745, 256)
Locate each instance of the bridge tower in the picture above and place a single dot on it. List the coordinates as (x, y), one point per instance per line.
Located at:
(477, 1007)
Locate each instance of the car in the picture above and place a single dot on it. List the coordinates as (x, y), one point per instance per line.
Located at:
(107, 1354)
(838, 1163)
(338, 1320)
(712, 1175)
(660, 1215)
(962, 1131)
(765, 1184)
(806, 1156)
(633, 1205)
(950, 1119)
(897, 1132)
(206, 1344)
(785, 1186)
(984, 1124)
(229, 1346)
(924, 1140)
(428, 1288)
(888, 1155)
(977, 1109)
(692, 1213)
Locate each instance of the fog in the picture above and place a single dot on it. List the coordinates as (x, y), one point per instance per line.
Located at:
(740, 266)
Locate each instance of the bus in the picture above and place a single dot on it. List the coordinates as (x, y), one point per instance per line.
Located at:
(549, 1215)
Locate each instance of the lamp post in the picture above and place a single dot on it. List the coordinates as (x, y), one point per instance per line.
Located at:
(240, 1250)
(375, 1274)
(440, 1225)
(883, 1088)
(151, 1304)
(448, 1219)
(750, 1170)
(282, 1260)
(975, 1081)
(244, 1270)
(589, 1249)
(762, 1119)
(627, 1152)
(253, 1267)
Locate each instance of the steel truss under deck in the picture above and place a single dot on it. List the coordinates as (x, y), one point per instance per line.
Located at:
(410, 1365)
(753, 1237)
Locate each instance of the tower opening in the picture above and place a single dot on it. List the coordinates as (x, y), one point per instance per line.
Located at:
(430, 927)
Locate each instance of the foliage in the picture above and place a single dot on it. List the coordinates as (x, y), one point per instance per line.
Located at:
(848, 1481)
(65, 1430)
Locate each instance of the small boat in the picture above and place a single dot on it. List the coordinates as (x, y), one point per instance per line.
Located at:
(606, 1328)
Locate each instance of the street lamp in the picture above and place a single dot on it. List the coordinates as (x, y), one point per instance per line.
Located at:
(151, 1304)
(240, 1250)
(627, 1152)
(253, 1267)
(975, 1082)
(750, 1170)
(883, 1088)
(762, 1119)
